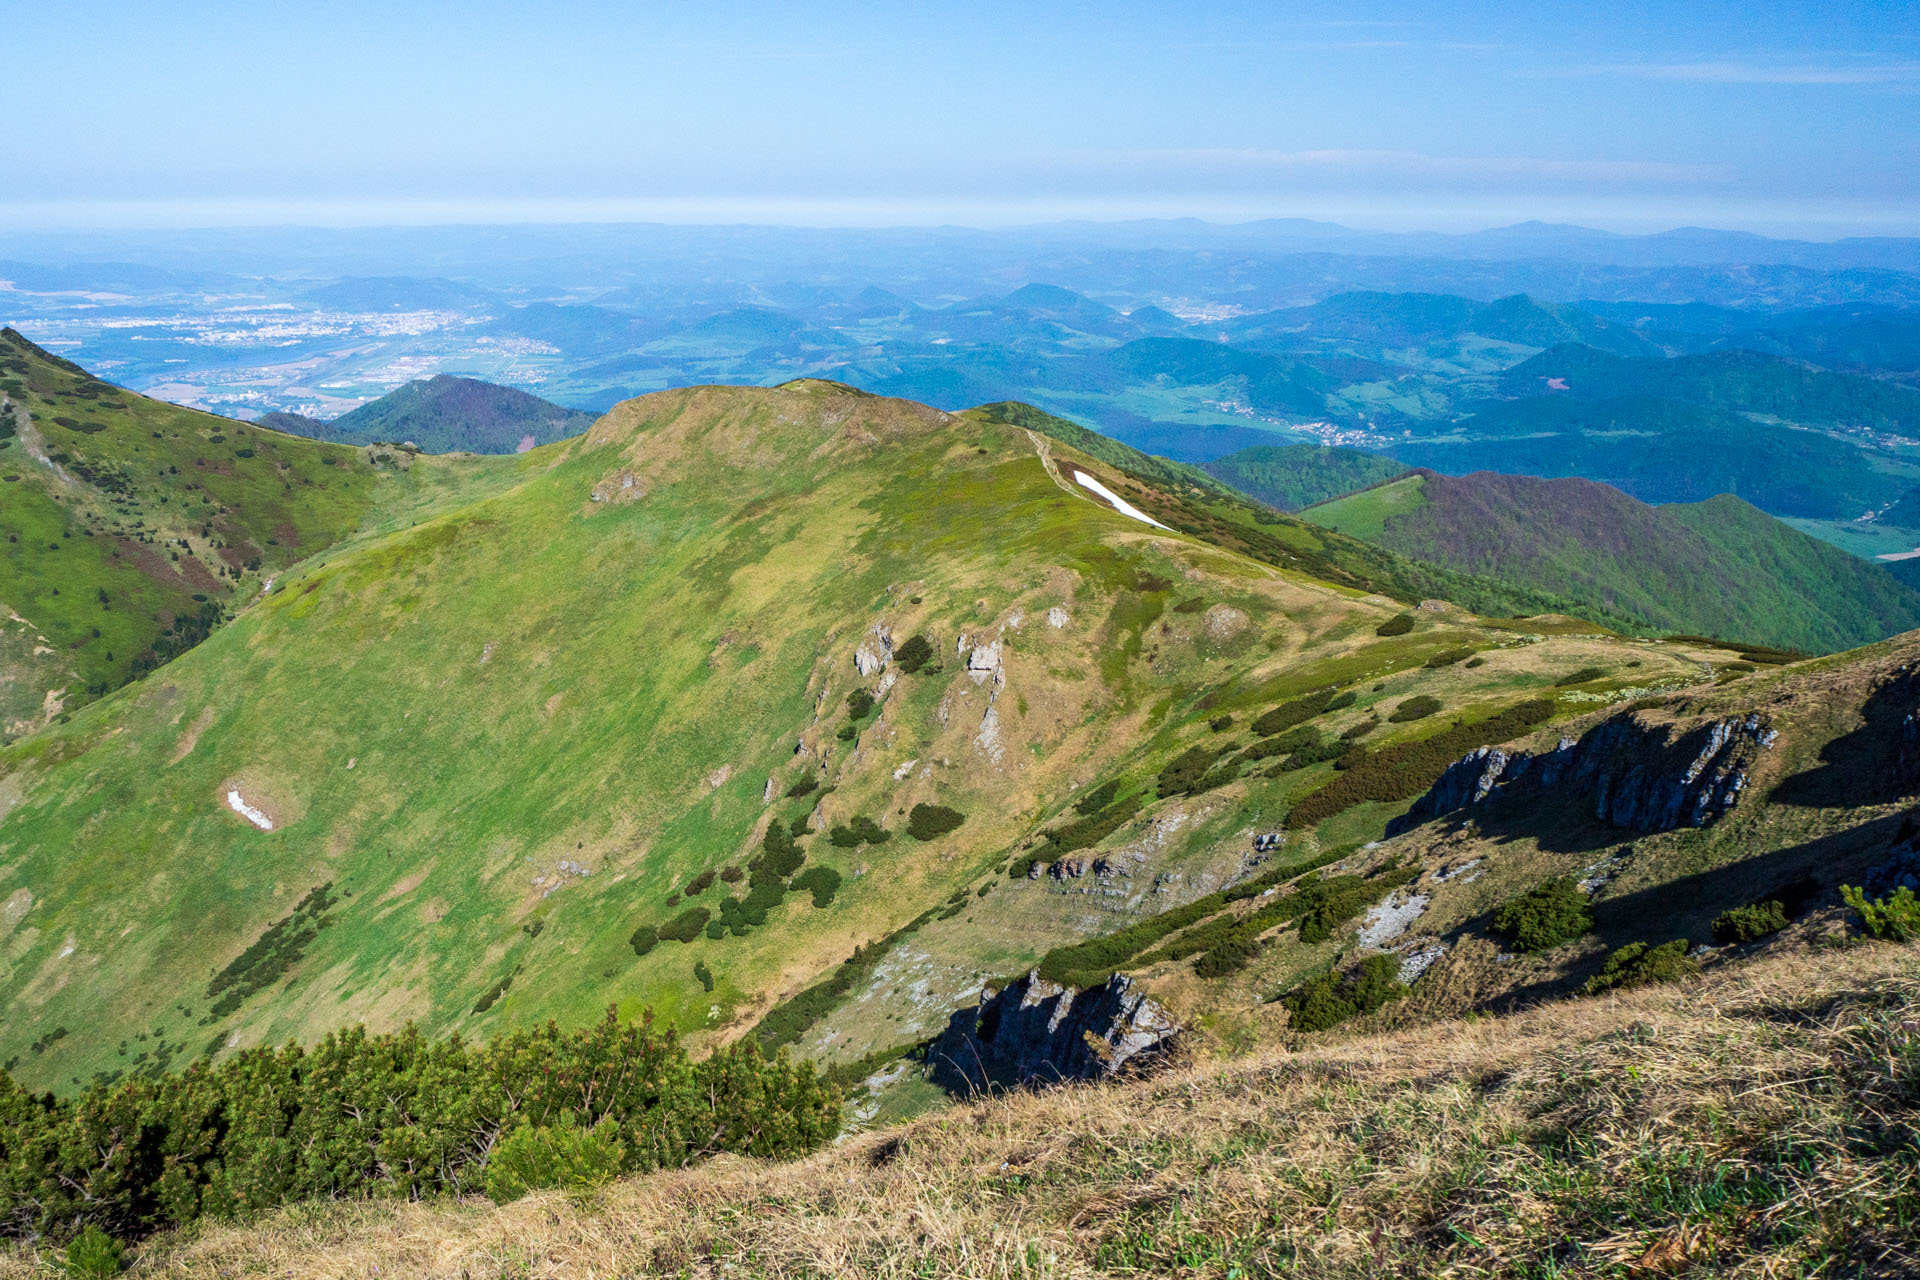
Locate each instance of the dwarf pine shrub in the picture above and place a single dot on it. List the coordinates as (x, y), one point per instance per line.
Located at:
(392, 1115)
(1638, 965)
(1544, 916)
(931, 821)
(1894, 918)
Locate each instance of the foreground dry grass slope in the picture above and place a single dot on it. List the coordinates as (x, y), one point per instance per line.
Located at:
(1757, 1122)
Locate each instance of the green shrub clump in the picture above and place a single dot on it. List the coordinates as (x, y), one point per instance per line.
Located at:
(1185, 772)
(644, 939)
(699, 884)
(1418, 707)
(703, 975)
(859, 704)
(1398, 625)
(558, 1157)
(805, 787)
(1085, 832)
(1447, 657)
(1332, 998)
(915, 654)
(1300, 710)
(859, 831)
(686, 926)
(1582, 676)
(931, 821)
(1895, 918)
(821, 882)
(1638, 965)
(1749, 923)
(395, 1115)
(1545, 916)
(94, 1255)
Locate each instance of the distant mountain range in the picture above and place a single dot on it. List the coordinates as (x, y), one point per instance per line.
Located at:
(445, 414)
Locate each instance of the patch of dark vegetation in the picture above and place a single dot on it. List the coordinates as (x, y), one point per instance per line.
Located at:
(272, 954)
(1404, 770)
(699, 884)
(1089, 830)
(703, 975)
(858, 831)
(804, 787)
(392, 1116)
(1448, 657)
(1334, 998)
(1398, 625)
(183, 633)
(1300, 710)
(1418, 707)
(644, 939)
(492, 997)
(1544, 916)
(931, 821)
(859, 704)
(913, 656)
(822, 882)
(1184, 774)
(1640, 965)
(1582, 676)
(1750, 923)
(686, 926)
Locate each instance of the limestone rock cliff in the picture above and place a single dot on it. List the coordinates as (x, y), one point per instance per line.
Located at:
(1036, 1032)
(1638, 776)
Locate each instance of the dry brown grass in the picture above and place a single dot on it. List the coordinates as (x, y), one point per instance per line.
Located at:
(1759, 1122)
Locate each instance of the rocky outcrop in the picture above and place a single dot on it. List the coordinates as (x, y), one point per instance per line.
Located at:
(1639, 777)
(1035, 1032)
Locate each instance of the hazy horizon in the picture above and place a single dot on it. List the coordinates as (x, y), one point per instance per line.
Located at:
(1779, 119)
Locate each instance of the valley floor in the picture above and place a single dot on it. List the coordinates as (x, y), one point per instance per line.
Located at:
(1760, 1121)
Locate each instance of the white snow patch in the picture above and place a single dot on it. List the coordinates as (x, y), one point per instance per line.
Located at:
(1119, 503)
(238, 803)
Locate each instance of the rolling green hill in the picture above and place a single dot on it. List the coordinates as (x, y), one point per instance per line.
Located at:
(130, 525)
(1718, 567)
(511, 754)
(447, 414)
(1289, 477)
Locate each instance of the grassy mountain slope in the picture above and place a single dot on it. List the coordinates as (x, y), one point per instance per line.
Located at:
(1720, 567)
(501, 741)
(1709, 1128)
(126, 519)
(1289, 477)
(1746, 1112)
(447, 414)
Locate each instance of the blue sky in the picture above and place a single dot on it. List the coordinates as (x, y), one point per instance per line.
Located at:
(1801, 119)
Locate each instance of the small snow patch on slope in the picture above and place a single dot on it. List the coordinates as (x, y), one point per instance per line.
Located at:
(1118, 503)
(238, 803)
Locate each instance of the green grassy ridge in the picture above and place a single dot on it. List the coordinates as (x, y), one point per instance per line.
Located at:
(450, 719)
(447, 414)
(1290, 477)
(1191, 501)
(1720, 567)
(138, 477)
